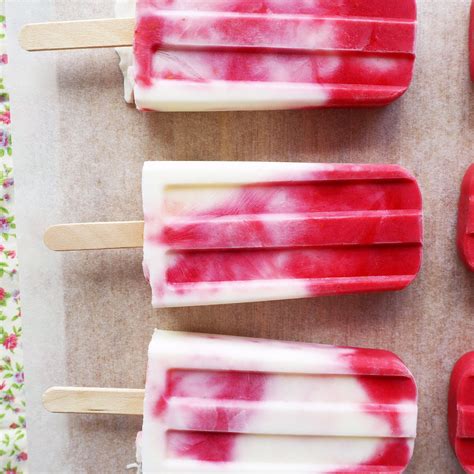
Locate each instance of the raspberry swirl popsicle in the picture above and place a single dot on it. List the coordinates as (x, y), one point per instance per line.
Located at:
(229, 404)
(465, 238)
(461, 411)
(198, 55)
(231, 232)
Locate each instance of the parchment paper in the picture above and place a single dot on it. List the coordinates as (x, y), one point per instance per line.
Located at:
(79, 150)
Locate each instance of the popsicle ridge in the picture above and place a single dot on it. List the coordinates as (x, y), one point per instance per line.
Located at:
(277, 231)
(465, 233)
(460, 411)
(272, 54)
(275, 407)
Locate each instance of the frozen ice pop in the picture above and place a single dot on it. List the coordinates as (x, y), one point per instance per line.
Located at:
(230, 232)
(230, 404)
(465, 236)
(195, 55)
(199, 55)
(461, 411)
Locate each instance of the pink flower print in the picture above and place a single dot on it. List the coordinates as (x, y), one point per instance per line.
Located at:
(4, 225)
(3, 385)
(5, 117)
(6, 197)
(9, 398)
(11, 254)
(11, 471)
(10, 342)
(2, 294)
(20, 377)
(8, 182)
(4, 59)
(2, 248)
(22, 456)
(14, 426)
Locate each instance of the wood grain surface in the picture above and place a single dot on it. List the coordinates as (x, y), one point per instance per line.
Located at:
(94, 236)
(98, 401)
(50, 36)
(79, 151)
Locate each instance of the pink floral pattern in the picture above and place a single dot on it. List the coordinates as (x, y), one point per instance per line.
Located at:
(13, 454)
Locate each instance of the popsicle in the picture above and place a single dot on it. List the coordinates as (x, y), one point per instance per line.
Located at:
(264, 406)
(217, 404)
(461, 411)
(222, 232)
(202, 55)
(465, 237)
(232, 232)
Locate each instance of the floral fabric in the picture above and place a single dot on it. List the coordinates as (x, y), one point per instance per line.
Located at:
(13, 454)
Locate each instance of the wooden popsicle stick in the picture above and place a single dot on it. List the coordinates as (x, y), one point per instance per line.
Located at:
(108, 33)
(107, 401)
(95, 236)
